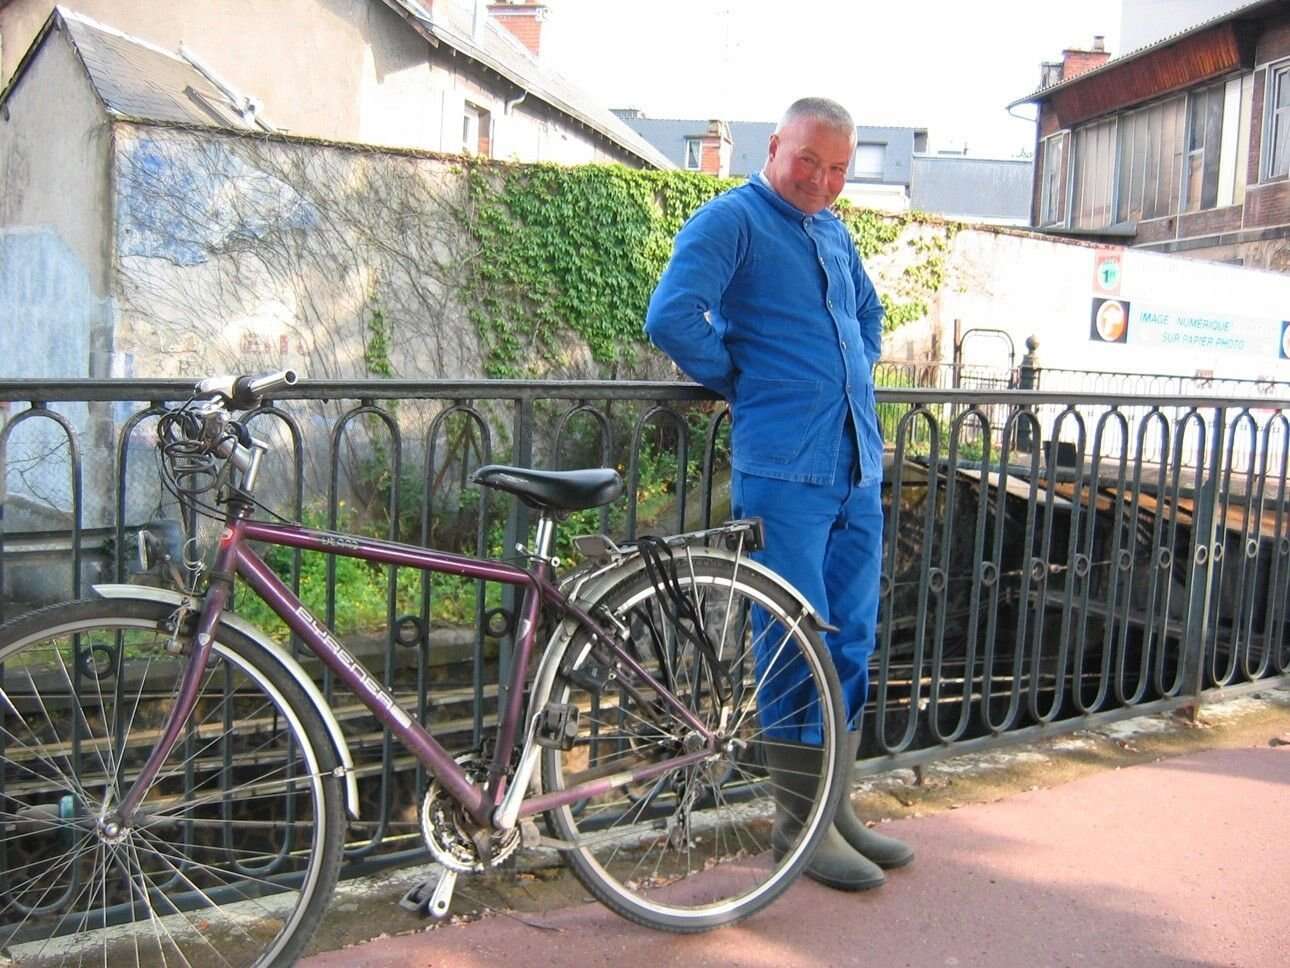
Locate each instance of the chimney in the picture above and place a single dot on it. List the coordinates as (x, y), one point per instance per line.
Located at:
(716, 146)
(1076, 61)
(522, 19)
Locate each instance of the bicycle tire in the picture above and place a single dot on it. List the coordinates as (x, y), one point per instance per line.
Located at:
(237, 846)
(723, 866)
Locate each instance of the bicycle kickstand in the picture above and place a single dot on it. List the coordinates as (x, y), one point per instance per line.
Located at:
(432, 896)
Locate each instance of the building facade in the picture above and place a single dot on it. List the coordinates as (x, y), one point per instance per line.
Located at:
(431, 75)
(880, 172)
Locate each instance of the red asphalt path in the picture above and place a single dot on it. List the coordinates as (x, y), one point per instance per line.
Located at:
(1183, 862)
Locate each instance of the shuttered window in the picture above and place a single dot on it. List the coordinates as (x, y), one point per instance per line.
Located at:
(1151, 159)
(1278, 157)
(1094, 175)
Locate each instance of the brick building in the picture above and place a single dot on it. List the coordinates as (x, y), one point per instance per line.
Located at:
(1181, 146)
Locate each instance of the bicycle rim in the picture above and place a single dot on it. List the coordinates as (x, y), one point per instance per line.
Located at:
(236, 846)
(693, 848)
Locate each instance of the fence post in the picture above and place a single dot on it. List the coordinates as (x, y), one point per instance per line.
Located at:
(516, 533)
(1027, 379)
(1201, 590)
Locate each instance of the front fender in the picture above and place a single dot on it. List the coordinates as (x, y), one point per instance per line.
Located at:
(273, 650)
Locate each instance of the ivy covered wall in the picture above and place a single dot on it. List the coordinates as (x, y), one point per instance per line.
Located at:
(346, 262)
(568, 256)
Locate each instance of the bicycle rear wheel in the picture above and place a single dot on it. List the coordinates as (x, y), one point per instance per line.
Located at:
(235, 850)
(692, 849)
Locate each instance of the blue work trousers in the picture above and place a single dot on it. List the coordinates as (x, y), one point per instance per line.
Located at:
(826, 540)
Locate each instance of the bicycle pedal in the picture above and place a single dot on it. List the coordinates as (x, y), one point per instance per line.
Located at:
(431, 897)
(417, 897)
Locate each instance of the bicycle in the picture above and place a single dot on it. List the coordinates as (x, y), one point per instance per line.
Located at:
(173, 786)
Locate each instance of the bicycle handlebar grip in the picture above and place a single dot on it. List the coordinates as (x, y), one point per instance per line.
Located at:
(247, 390)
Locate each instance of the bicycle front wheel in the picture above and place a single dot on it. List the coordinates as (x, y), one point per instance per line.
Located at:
(234, 852)
(697, 846)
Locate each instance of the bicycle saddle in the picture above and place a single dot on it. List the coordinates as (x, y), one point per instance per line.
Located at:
(553, 490)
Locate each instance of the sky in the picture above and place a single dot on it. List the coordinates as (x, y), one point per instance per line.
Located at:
(950, 66)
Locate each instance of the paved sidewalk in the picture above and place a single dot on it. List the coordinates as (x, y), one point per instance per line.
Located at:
(1182, 862)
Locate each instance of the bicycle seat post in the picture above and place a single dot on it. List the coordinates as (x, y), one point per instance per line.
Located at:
(544, 535)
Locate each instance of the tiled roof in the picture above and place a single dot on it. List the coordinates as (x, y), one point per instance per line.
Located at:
(136, 79)
(452, 23)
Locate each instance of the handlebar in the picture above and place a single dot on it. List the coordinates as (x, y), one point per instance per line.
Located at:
(245, 392)
(199, 431)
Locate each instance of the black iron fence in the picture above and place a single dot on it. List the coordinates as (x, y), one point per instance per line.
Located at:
(1052, 560)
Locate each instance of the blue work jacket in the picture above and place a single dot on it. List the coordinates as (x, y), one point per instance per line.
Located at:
(771, 308)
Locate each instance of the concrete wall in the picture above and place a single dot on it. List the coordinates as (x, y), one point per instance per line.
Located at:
(55, 307)
(343, 70)
(236, 252)
(53, 189)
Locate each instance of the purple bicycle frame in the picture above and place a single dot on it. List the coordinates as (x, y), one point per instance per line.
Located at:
(234, 556)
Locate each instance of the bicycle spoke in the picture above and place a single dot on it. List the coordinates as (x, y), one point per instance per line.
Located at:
(71, 690)
(247, 794)
(156, 846)
(15, 890)
(96, 847)
(718, 813)
(39, 757)
(205, 897)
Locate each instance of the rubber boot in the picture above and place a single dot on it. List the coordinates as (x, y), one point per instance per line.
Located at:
(794, 774)
(884, 851)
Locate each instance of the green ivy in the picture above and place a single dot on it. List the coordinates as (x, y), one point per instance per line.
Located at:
(571, 252)
(874, 232)
(567, 257)
(376, 348)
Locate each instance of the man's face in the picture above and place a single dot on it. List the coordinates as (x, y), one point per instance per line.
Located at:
(808, 163)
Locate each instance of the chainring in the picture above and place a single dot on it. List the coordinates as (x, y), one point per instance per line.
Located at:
(449, 832)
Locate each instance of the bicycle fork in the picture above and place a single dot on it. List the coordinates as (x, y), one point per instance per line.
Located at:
(113, 824)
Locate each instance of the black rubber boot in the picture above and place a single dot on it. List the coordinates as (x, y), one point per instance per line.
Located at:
(884, 851)
(794, 774)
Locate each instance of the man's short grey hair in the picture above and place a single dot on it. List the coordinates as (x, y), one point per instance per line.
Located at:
(822, 109)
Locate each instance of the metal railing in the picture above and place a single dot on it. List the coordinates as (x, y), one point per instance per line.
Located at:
(1027, 587)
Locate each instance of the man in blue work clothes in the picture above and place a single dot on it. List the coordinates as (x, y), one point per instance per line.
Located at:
(765, 302)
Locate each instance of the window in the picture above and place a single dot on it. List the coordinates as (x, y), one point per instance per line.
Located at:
(1094, 176)
(870, 159)
(1052, 204)
(1184, 154)
(693, 154)
(1150, 145)
(1204, 147)
(476, 131)
(1234, 165)
(470, 129)
(1277, 164)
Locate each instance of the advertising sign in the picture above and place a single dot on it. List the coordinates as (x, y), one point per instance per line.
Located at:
(1110, 322)
(1108, 270)
(1211, 335)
